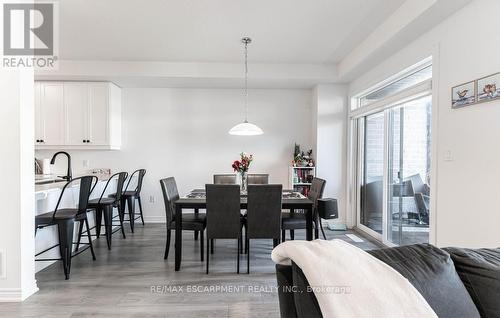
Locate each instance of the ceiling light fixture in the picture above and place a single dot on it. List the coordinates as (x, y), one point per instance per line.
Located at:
(246, 128)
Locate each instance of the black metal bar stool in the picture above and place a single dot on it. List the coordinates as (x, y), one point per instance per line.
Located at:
(104, 206)
(65, 220)
(131, 196)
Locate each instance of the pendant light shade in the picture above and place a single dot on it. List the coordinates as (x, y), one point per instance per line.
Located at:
(246, 128)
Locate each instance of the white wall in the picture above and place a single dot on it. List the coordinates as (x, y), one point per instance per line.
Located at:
(17, 244)
(465, 189)
(183, 133)
(329, 139)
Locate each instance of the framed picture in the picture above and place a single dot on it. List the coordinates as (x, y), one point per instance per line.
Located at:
(488, 88)
(463, 95)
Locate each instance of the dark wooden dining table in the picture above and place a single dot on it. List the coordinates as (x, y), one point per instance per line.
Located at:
(197, 200)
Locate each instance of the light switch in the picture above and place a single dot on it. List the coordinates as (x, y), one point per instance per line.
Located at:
(448, 156)
(86, 163)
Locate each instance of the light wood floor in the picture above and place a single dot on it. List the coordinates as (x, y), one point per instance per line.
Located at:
(120, 283)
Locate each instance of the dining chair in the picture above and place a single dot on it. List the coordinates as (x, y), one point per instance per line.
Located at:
(227, 178)
(296, 221)
(223, 215)
(103, 206)
(263, 214)
(190, 221)
(224, 178)
(65, 219)
(258, 178)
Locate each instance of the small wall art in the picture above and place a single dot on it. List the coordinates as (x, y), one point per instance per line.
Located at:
(488, 88)
(463, 95)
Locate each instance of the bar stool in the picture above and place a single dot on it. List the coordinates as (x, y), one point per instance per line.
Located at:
(131, 196)
(105, 206)
(65, 220)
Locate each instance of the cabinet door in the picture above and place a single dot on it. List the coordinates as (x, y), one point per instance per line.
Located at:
(38, 114)
(99, 113)
(76, 102)
(52, 114)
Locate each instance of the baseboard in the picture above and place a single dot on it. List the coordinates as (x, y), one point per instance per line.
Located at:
(154, 219)
(11, 295)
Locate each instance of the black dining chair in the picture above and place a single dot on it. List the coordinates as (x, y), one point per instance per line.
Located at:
(130, 196)
(227, 178)
(190, 221)
(296, 221)
(223, 215)
(263, 214)
(103, 206)
(65, 219)
(258, 178)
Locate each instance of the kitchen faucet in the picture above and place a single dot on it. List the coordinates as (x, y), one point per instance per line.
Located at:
(68, 176)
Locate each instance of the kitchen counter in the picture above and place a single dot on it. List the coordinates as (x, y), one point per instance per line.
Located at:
(49, 187)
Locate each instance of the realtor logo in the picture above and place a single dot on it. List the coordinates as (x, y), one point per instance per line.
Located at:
(29, 35)
(28, 29)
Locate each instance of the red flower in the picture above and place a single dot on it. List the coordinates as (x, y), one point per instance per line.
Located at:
(244, 164)
(236, 165)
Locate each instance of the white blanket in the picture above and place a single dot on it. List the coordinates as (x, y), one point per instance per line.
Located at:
(348, 282)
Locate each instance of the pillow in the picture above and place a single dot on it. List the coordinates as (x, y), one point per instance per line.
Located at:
(480, 273)
(433, 274)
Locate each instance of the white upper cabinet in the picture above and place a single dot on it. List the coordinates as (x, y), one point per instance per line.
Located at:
(88, 115)
(77, 109)
(49, 114)
(99, 95)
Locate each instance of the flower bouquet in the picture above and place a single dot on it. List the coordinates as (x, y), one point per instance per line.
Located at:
(241, 167)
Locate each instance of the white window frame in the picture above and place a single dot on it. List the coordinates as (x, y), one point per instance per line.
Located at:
(355, 147)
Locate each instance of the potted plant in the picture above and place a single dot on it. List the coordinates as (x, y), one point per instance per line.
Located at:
(301, 159)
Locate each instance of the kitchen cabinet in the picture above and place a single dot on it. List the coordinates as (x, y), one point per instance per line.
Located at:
(49, 114)
(77, 115)
(98, 119)
(77, 104)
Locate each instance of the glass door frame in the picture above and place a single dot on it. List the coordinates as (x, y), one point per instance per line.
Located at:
(360, 173)
(357, 153)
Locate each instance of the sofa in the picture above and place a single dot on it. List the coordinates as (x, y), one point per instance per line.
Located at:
(456, 282)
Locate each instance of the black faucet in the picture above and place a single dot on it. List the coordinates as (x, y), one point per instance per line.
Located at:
(68, 176)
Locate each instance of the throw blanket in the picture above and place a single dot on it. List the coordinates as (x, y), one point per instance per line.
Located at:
(349, 282)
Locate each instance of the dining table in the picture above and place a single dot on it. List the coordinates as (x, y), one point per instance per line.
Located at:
(196, 199)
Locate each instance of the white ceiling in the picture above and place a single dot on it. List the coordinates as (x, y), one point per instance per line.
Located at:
(284, 31)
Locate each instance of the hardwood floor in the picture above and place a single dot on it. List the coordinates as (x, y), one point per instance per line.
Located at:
(133, 280)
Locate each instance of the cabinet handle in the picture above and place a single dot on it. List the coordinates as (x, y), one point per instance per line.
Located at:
(88, 140)
(84, 140)
(37, 140)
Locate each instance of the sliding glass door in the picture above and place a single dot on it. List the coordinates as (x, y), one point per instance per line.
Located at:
(372, 171)
(409, 159)
(394, 172)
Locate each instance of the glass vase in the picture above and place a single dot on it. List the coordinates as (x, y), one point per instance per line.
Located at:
(244, 181)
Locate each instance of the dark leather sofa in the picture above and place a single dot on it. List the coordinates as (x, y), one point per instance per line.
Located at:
(456, 282)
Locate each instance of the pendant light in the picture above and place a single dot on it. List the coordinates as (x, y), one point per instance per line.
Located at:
(246, 128)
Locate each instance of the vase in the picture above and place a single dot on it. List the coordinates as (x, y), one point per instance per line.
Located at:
(244, 181)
